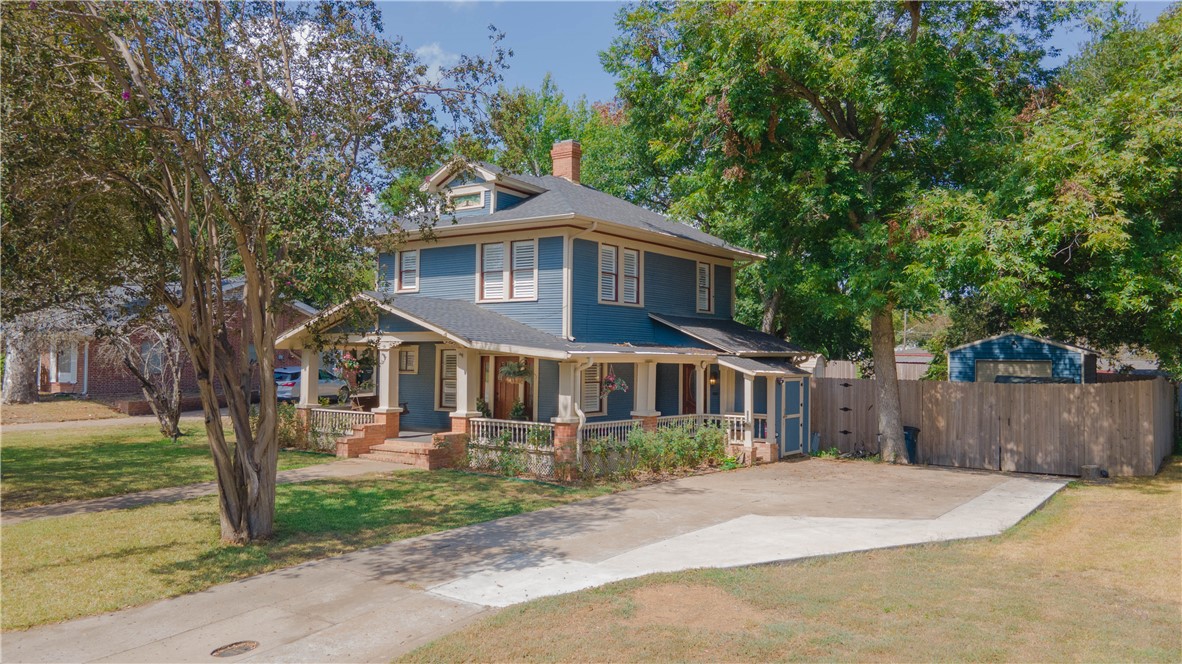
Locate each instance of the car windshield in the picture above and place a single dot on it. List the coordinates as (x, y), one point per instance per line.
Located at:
(286, 375)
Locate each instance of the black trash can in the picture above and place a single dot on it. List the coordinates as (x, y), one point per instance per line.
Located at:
(911, 442)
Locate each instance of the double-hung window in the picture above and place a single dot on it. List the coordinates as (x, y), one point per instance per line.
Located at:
(591, 396)
(619, 274)
(446, 397)
(705, 288)
(509, 277)
(408, 271)
(408, 360)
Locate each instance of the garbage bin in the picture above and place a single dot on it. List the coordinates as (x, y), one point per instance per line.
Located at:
(911, 442)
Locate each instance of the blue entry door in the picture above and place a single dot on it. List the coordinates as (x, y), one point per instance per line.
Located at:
(791, 418)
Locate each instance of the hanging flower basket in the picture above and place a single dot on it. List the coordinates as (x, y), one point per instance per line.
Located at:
(349, 362)
(515, 372)
(612, 383)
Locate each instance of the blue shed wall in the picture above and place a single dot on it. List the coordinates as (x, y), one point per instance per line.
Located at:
(1065, 364)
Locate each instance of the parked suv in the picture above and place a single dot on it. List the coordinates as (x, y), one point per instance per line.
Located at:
(288, 382)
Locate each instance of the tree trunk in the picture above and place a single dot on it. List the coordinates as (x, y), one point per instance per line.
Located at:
(21, 366)
(886, 380)
(771, 310)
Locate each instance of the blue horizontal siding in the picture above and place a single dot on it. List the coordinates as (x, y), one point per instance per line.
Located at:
(668, 283)
(546, 313)
(668, 389)
(1065, 364)
(393, 323)
(619, 404)
(506, 200)
(387, 266)
(448, 272)
(547, 390)
(418, 392)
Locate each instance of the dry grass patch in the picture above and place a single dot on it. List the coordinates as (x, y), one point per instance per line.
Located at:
(56, 410)
(1095, 575)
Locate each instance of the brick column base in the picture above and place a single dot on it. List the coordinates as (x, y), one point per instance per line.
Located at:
(455, 449)
(389, 423)
(461, 425)
(566, 450)
(647, 422)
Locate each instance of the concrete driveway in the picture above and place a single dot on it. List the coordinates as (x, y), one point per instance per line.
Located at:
(375, 604)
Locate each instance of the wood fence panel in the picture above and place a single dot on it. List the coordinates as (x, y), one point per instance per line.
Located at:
(1127, 428)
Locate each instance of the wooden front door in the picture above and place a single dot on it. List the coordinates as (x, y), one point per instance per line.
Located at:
(506, 393)
(689, 401)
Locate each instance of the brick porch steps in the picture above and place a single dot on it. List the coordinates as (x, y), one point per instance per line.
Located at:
(413, 453)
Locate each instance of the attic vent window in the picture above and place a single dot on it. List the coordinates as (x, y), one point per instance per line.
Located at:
(468, 201)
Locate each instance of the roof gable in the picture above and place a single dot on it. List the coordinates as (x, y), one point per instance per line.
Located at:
(1029, 337)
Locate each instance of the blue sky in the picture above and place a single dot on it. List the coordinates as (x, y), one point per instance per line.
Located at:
(562, 38)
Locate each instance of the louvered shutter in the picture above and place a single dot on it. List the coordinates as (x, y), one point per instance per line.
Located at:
(607, 272)
(408, 273)
(525, 269)
(630, 286)
(447, 380)
(703, 287)
(492, 267)
(589, 398)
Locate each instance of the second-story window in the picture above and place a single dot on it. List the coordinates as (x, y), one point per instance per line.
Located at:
(619, 274)
(492, 271)
(705, 288)
(509, 277)
(408, 271)
(468, 201)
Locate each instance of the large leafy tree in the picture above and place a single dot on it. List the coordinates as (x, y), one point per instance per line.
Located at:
(811, 130)
(242, 139)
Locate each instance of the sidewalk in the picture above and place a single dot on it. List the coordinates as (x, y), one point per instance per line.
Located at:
(333, 469)
(376, 604)
(191, 417)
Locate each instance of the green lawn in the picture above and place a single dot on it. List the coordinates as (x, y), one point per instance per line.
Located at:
(1093, 576)
(57, 569)
(53, 466)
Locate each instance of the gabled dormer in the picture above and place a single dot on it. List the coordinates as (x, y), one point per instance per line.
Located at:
(479, 188)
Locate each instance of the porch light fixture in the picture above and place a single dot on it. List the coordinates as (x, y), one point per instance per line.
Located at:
(713, 377)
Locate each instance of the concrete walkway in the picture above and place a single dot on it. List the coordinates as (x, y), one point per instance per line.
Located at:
(330, 470)
(376, 604)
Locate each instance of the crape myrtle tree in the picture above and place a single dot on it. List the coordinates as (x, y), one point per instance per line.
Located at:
(251, 137)
(810, 130)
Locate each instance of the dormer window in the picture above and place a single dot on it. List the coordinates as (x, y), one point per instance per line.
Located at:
(470, 201)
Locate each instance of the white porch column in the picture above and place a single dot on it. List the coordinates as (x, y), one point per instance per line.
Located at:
(726, 379)
(467, 382)
(700, 388)
(309, 378)
(773, 413)
(748, 410)
(645, 399)
(568, 389)
(388, 379)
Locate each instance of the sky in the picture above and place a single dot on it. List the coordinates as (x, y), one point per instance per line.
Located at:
(563, 38)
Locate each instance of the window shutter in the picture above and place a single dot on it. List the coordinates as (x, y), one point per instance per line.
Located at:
(607, 272)
(524, 269)
(589, 398)
(447, 382)
(492, 267)
(409, 270)
(631, 272)
(703, 287)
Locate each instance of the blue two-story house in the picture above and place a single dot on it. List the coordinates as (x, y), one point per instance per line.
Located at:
(537, 297)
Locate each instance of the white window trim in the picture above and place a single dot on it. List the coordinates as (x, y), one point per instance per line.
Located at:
(438, 387)
(598, 388)
(407, 349)
(56, 372)
(506, 272)
(467, 191)
(398, 288)
(709, 284)
(619, 301)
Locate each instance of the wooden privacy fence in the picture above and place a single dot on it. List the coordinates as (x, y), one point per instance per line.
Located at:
(1126, 428)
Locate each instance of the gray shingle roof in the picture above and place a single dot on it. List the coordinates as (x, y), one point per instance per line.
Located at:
(727, 335)
(762, 366)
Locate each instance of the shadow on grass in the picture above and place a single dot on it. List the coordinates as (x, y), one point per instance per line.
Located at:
(331, 517)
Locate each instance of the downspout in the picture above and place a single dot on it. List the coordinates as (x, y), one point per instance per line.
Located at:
(583, 364)
(86, 368)
(568, 281)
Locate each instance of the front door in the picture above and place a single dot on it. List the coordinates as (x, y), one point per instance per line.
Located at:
(506, 393)
(689, 400)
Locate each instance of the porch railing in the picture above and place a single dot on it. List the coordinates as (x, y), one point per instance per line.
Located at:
(334, 422)
(760, 430)
(512, 446)
(616, 430)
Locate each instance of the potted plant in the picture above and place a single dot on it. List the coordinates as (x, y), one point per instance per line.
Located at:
(612, 383)
(515, 372)
(517, 412)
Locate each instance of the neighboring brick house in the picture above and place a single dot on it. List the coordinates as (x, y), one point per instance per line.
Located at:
(74, 367)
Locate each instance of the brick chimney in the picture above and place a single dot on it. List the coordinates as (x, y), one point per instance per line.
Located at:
(566, 155)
